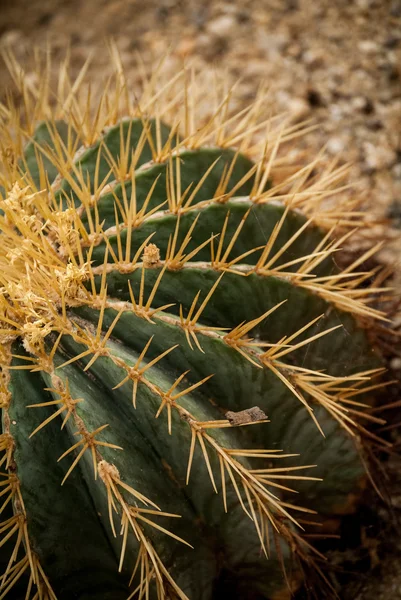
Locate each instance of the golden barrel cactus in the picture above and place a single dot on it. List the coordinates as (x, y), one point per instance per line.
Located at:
(180, 352)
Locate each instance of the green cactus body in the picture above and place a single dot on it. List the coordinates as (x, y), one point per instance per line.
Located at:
(176, 339)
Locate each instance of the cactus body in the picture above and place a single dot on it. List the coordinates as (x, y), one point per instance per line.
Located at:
(175, 332)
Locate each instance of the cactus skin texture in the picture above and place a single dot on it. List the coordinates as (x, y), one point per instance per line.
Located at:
(179, 351)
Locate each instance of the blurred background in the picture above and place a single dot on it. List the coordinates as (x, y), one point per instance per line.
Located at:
(337, 62)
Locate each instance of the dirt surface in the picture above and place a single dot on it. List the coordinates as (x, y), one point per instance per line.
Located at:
(338, 62)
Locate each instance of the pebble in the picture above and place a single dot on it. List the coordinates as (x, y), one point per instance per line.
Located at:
(368, 47)
(396, 171)
(337, 111)
(12, 37)
(335, 145)
(314, 58)
(299, 107)
(395, 364)
(271, 43)
(365, 4)
(361, 103)
(376, 157)
(222, 26)
(186, 47)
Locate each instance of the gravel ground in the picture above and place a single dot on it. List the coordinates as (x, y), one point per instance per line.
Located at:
(338, 62)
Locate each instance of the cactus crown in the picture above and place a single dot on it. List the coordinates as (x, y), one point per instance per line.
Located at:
(173, 324)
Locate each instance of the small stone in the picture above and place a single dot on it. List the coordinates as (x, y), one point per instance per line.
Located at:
(222, 26)
(358, 102)
(336, 112)
(385, 95)
(362, 104)
(376, 157)
(368, 47)
(185, 47)
(299, 107)
(396, 171)
(295, 50)
(271, 43)
(335, 145)
(364, 4)
(11, 38)
(313, 58)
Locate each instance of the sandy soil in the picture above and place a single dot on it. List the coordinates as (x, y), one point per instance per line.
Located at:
(336, 61)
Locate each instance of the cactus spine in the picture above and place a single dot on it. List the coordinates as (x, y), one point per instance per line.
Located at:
(179, 350)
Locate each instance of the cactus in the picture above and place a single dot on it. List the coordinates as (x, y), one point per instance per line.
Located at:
(179, 351)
